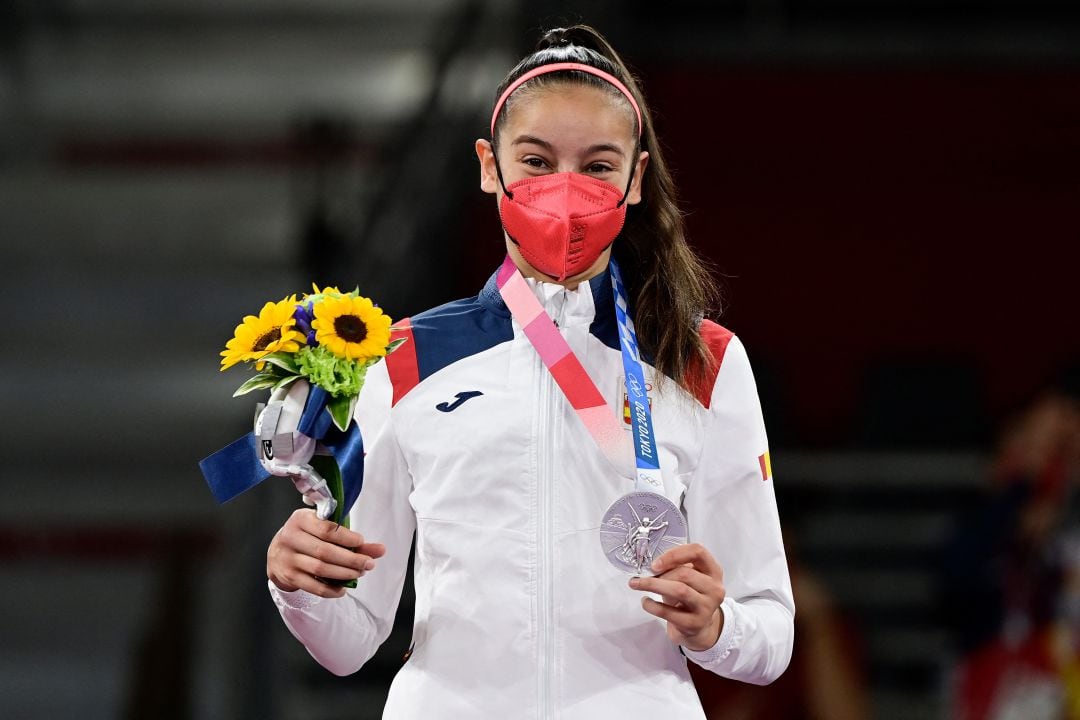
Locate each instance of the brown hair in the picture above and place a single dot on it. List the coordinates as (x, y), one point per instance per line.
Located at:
(669, 286)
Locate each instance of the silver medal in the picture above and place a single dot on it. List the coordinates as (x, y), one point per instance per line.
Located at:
(638, 528)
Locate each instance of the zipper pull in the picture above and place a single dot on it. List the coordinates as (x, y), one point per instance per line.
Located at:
(560, 300)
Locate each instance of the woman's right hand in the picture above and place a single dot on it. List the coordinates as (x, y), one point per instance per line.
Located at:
(307, 548)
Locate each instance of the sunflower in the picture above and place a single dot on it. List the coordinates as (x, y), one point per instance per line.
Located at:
(351, 327)
(274, 330)
(331, 290)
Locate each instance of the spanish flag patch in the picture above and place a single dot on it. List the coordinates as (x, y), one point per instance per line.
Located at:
(766, 465)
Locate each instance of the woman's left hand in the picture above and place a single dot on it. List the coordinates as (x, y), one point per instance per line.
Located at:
(691, 583)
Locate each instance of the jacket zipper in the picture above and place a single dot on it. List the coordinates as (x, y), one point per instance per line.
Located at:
(545, 542)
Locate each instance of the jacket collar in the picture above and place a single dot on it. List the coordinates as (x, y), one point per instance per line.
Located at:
(603, 325)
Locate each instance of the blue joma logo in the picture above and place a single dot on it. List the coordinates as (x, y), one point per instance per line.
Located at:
(461, 398)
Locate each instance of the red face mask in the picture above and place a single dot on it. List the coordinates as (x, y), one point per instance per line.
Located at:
(562, 222)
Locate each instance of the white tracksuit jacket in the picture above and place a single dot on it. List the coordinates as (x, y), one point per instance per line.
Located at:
(518, 614)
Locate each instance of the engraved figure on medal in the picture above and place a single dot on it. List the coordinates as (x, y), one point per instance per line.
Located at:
(638, 528)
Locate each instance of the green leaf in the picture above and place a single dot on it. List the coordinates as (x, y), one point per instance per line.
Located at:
(288, 379)
(285, 361)
(257, 382)
(395, 345)
(327, 466)
(341, 410)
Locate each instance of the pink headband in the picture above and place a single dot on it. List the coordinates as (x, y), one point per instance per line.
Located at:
(555, 67)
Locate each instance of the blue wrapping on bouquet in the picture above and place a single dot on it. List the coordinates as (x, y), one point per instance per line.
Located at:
(236, 467)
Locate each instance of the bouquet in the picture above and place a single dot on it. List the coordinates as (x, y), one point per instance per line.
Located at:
(328, 337)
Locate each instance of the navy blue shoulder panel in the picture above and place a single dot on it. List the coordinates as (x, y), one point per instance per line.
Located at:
(455, 331)
(604, 326)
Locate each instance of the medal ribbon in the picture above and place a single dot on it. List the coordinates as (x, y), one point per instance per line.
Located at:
(580, 390)
(645, 449)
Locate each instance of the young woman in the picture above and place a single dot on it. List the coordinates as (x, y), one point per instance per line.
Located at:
(484, 447)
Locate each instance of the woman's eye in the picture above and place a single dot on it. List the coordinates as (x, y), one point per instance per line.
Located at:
(534, 162)
(600, 168)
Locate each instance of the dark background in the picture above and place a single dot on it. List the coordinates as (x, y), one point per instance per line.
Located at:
(888, 190)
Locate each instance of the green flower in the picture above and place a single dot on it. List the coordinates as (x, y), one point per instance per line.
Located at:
(336, 375)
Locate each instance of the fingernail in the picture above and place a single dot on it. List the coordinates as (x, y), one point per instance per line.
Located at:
(655, 566)
(369, 565)
(634, 582)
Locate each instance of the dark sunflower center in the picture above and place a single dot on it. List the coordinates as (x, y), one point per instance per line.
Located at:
(266, 338)
(350, 328)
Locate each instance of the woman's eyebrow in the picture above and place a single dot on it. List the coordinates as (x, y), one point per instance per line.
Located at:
(591, 150)
(533, 140)
(604, 147)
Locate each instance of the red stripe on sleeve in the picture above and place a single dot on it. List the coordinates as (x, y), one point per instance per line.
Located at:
(716, 339)
(401, 364)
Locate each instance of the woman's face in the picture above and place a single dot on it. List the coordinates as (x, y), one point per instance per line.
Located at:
(565, 128)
